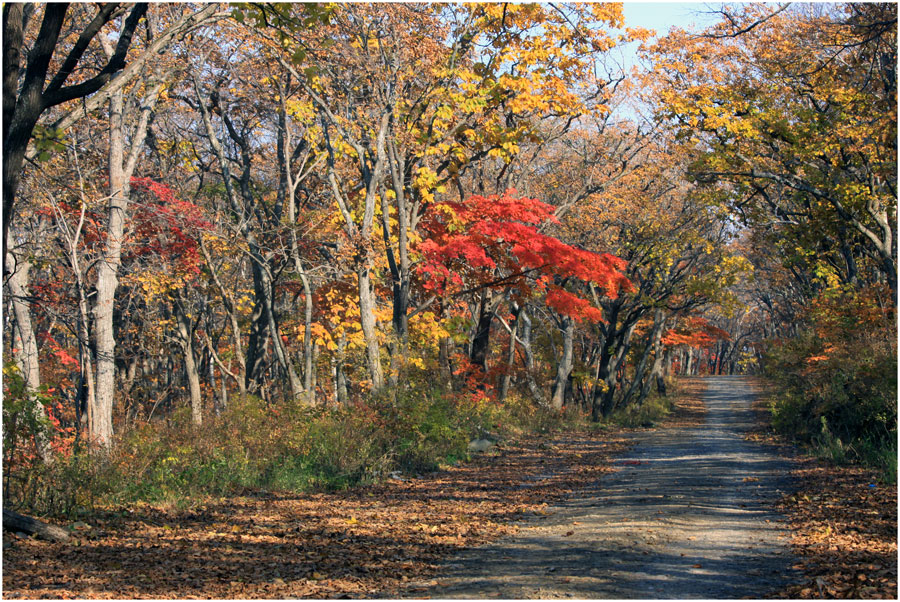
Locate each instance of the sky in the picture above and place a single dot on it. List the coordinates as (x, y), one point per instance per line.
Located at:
(660, 16)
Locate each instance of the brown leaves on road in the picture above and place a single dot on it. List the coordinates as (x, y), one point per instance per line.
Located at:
(845, 531)
(361, 543)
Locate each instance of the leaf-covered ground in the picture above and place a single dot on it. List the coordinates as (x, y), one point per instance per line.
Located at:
(359, 543)
(371, 541)
(845, 531)
(844, 524)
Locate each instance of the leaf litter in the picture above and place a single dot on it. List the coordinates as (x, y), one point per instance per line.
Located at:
(843, 523)
(356, 543)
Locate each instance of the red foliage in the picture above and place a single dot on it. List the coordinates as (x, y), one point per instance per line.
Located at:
(495, 242)
(578, 309)
(166, 226)
(694, 332)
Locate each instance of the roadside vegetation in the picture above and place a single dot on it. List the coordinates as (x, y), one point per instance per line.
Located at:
(252, 447)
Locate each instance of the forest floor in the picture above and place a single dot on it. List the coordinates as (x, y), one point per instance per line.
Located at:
(686, 512)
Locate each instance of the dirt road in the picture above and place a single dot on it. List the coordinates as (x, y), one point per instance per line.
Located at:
(687, 515)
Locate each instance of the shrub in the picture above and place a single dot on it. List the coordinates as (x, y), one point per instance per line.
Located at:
(647, 414)
(253, 445)
(837, 381)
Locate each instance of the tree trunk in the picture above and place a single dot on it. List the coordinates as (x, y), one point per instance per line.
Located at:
(281, 352)
(13, 521)
(121, 167)
(566, 363)
(720, 360)
(638, 382)
(100, 424)
(25, 350)
(482, 337)
(658, 352)
(186, 337)
(609, 369)
(341, 394)
(506, 380)
(528, 356)
(369, 327)
(445, 345)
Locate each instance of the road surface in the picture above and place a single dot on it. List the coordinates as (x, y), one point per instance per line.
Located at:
(687, 515)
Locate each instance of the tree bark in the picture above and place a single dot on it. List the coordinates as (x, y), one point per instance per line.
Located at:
(186, 338)
(566, 363)
(506, 380)
(369, 327)
(481, 340)
(638, 381)
(528, 357)
(656, 370)
(100, 424)
(13, 521)
(25, 350)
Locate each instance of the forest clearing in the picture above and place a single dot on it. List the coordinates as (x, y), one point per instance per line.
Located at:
(449, 300)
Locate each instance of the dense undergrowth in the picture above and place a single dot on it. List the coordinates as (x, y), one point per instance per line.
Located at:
(837, 382)
(253, 446)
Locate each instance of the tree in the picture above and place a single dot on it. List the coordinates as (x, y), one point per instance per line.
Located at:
(411, 97)
(802, 125)
(489, 244)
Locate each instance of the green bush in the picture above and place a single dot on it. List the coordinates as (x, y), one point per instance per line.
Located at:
(285, 447)
(650, 413)
(837, 382)
(253, 445)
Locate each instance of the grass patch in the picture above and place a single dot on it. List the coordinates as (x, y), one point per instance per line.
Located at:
(254, 446)
(283, 447)
(652, 412)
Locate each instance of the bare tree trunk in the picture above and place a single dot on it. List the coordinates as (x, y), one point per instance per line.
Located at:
(26, 351)
(637, 383)
(445, 345)
(566, 363)
(281, 352)
(288, 189)
(506, 381)
(482, 338)
(340, 377)
(659, 324)
(121, 167)
(84, 354)
(661, 371)
(100, 424)
(528, 354)
(369, 327)
(611, 361)
(186, 338)
(309, 365)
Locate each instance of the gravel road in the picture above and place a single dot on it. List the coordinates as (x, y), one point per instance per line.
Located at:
(687, 515)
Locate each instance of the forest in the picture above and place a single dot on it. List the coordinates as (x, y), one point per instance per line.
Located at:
(303, 247)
